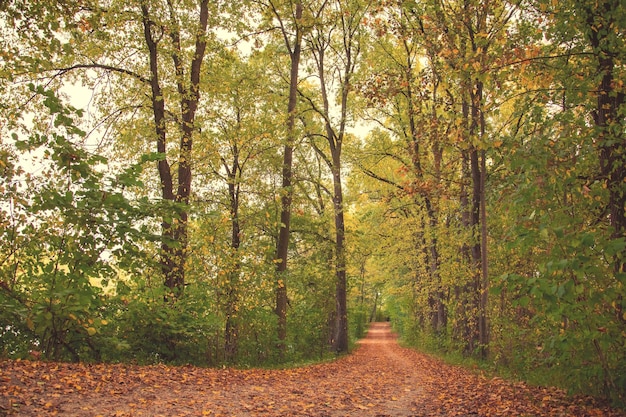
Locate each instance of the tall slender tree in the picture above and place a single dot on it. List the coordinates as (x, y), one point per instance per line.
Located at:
(470, 31)
(289, 18)
(175, 234)
(336, 45)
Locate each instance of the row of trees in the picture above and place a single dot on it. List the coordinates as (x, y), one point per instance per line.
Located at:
(242, 176)
(211, 98)
(501, 143)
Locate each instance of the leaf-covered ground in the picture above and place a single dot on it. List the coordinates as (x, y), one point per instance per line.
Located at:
(379, 379)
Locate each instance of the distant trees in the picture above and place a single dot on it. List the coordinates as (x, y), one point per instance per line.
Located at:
(291, 24)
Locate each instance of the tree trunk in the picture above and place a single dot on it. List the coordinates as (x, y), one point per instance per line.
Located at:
(374, 312)
(611, 126)
(282, 244)
(464, 293)
(469, 296)
(231, 331)
(429, 246)
(340, 343)
(174, 228)
(348, 49)
(483, 323)
(477, 225)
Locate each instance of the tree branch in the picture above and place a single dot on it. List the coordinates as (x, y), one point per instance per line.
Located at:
(111, 68)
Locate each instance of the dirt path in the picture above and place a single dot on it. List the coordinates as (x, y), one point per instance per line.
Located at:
(380, 379)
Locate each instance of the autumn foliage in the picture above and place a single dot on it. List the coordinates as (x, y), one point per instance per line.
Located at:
(251, 183)
(379, 379)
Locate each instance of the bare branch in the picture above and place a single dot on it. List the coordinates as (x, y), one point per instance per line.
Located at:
(62, 71)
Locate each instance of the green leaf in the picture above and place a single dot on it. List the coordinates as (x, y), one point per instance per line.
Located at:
(523, 301)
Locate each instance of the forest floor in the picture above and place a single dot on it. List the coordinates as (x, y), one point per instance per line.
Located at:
(379, 379)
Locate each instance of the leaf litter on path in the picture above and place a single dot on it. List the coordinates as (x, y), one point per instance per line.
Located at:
(380, 379)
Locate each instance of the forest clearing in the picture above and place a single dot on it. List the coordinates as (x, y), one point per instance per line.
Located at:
(379, 379)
